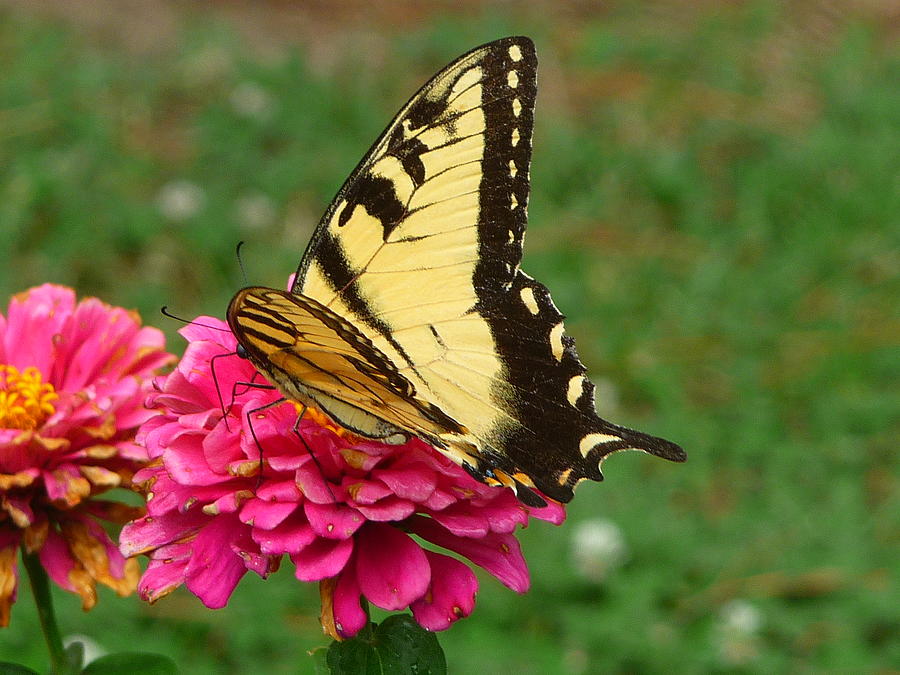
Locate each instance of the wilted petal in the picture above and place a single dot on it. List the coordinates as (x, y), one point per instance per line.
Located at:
(98, 556)
(9, 573)
(66, 571)
(165, 572)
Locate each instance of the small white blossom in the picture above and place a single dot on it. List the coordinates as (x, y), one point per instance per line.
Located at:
(180, 200)
(598, 548)
(252, 101)
(255, 211)
(737, 632)
(741, 617)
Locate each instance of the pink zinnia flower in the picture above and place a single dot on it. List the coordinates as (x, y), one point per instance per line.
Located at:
(73, 378)
(350, 513)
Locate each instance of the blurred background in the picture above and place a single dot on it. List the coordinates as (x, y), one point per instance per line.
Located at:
(715, 207)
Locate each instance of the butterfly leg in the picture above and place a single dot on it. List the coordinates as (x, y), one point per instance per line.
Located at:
(234, 389)
(259, 448)
(296, 430)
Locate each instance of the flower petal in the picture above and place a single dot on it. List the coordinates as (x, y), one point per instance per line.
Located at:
(289, 537)
(499, 554)
(148, 533)
(165, 572)
(415, 482)
(66, 570)
(322, 559)
(33, 319)
(214, 567)
(387, 509)
(9, 573)
(349, 616)
(554, 512)
(451, 595)
(334, 521)
(265, 514)
(391, 568)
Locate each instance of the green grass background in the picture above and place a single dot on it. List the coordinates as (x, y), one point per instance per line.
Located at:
(715, 207)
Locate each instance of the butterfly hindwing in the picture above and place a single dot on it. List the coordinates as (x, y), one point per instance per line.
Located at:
(418, 258)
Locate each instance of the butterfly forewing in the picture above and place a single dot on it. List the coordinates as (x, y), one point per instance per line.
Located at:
(418, 257)
(316, 357)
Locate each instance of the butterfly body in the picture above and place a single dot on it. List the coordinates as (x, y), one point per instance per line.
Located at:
(409, 314)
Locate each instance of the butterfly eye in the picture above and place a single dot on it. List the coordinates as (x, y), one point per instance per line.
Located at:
(241, 352)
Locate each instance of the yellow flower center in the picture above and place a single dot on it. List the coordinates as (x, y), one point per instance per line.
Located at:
(25, 400)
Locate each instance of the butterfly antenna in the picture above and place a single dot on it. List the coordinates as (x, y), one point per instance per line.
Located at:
(237, 253)
(164, 310)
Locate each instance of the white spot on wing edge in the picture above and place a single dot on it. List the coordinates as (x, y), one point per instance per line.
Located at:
(517, 107)
(515, 137)
(513, 202)
(512, 79)
(575, 390)
(556, 343)
(512, 168)
(528, 298)
(515, 53)
(590, 440)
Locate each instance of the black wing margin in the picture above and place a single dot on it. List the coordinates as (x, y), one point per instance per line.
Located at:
(559, 439)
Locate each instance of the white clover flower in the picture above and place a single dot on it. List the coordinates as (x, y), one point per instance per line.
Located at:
(598, 548)
(255, 211)
(737, 632)
(250, 100)
(741, 616)
(180, 200)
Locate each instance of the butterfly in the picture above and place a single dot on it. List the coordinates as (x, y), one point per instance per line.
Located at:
(409, 314)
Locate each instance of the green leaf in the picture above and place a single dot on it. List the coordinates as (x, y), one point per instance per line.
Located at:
(134, 663)
(320, 660)
(7, 668)
(396, 647)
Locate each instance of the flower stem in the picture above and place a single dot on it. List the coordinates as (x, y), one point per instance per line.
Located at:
(40, 588)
